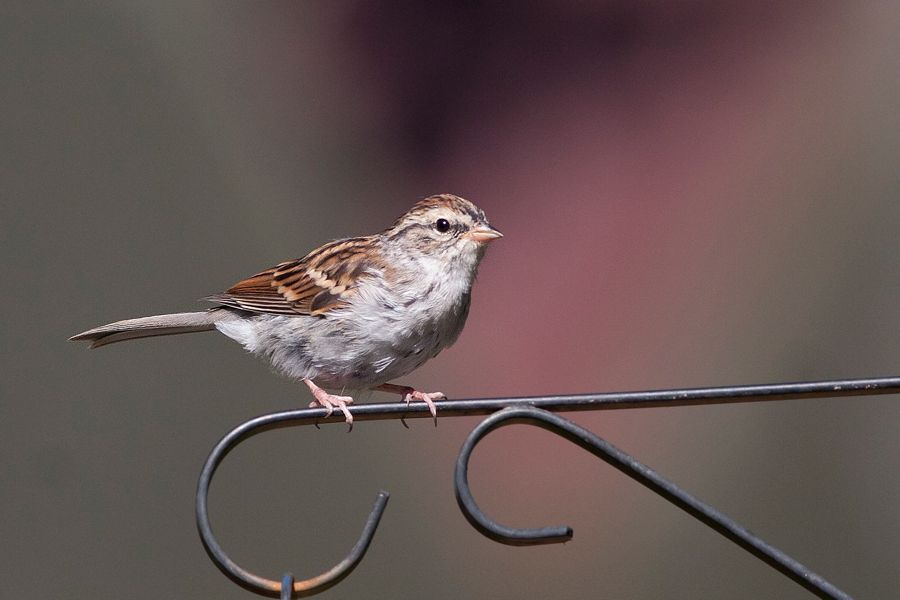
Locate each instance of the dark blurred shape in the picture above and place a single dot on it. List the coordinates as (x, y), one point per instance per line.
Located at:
(434, 61)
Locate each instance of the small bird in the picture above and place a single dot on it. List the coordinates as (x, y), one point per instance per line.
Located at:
(353, 314)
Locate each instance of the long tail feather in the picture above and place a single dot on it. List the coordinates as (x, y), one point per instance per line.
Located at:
(131, 329)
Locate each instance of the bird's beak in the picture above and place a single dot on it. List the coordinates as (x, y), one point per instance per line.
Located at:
(483, 235)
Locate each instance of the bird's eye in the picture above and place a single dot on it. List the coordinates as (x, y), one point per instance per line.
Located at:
(442, 225)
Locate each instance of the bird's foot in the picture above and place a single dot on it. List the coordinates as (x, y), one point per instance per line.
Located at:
(428, 398)
(409, 394)
(329, 401)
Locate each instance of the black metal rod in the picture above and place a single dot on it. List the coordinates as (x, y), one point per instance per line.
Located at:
(474, 407)
(287, 587)
(634, 469)
(243, 577)
(606, 401)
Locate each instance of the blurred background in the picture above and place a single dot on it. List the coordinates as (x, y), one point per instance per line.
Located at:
(693, 193)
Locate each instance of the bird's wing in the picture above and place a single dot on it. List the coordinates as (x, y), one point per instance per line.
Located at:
(321, 281)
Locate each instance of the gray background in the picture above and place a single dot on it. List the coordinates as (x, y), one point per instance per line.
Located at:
(699, 193)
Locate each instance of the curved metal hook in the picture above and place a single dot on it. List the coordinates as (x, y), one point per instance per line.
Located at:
(634, 469)
(287, 587)
(486, 406)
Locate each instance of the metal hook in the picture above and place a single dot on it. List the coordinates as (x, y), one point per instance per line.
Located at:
(634, 469)
(487, 406)
(287, 587)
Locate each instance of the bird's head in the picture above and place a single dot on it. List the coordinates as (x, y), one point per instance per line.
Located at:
(446, 228)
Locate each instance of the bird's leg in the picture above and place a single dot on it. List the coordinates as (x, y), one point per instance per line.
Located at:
(409, 394)
(329, 401)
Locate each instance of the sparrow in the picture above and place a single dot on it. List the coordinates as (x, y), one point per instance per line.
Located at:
(355, 313)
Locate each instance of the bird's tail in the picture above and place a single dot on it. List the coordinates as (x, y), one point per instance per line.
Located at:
(132, 329)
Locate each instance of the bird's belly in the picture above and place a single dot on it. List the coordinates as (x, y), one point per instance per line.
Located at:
(343, 353)
(355, 361)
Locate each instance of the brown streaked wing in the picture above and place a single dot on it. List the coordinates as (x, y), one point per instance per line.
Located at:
(255, 294)
(313, 285)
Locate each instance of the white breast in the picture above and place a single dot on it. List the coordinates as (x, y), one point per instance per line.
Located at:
(411, 320)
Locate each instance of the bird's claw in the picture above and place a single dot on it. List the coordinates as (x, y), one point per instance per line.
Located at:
(329, 401)
(428, 398)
